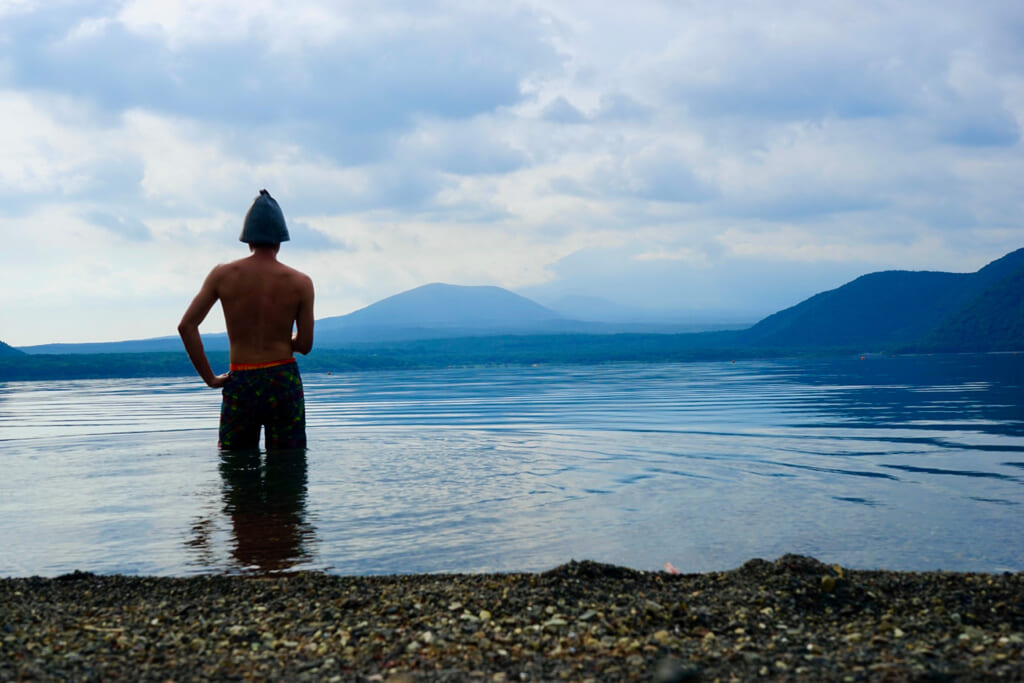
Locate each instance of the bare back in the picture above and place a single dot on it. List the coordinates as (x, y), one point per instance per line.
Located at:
(263, 299)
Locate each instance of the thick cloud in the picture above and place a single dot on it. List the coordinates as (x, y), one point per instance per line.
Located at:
(366, 79)
(692, 155)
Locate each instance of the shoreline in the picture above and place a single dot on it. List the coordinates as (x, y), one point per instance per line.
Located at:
(791, 619)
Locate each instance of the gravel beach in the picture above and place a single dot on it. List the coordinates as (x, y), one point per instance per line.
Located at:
(791, 619)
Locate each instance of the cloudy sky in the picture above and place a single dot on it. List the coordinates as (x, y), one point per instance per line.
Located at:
(708, 158)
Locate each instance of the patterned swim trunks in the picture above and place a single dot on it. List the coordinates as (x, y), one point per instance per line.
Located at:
(268, 396)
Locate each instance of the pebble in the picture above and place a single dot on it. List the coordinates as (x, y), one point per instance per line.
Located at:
(580, 621)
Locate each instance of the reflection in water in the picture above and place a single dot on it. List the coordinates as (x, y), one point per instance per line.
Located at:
(907, 462)
(266, 502)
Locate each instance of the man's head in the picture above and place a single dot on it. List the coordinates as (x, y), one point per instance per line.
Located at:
(264, 223)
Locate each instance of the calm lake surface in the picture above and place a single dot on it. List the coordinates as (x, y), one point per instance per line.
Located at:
(899, 463)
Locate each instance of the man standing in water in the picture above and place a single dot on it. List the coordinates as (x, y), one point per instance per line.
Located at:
(263, 301)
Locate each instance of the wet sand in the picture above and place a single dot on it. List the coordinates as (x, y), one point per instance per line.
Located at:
(791, 619)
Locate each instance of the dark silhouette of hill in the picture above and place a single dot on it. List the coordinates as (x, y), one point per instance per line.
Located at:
(884, 311)
(212, 342)
(891, 309)
(6, 350)
(992, 321)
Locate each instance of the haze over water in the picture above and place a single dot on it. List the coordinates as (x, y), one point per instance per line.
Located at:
(899, 463)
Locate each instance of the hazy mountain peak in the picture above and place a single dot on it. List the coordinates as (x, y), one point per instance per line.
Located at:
(443, 305)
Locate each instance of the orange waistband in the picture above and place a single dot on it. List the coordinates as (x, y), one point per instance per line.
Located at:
(235, 367)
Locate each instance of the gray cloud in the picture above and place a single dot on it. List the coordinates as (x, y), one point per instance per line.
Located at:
(652, 173)
(849, 137)
(990, 129)
(560, 110)
(128, 227)
(304, 236)
(367, 85)
(621, 107)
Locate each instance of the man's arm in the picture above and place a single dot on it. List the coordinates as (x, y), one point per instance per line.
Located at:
(302, 341)
(188, 328)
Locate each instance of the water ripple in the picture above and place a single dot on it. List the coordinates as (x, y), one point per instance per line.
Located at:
(903, 463)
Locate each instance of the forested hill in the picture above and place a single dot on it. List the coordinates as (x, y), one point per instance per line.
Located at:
(906, 309)
(992, 321)
(6, 350)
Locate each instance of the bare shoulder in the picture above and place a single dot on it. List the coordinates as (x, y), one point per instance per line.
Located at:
(222, 269)
(222, 277)
(215, 275)
(299, 276)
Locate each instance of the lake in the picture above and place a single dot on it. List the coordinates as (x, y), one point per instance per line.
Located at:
(910, 463)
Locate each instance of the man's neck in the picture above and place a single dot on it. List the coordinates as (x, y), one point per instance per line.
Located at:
(264, 253)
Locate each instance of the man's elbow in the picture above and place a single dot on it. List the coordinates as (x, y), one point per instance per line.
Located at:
(303, 346)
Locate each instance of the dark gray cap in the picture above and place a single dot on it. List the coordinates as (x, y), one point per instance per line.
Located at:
(264, 222)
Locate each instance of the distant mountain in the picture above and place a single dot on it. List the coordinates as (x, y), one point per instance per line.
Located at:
(893, 308)
(436, 311)
(439, 311)
(643, 320)
(212, 342)
(594, 309)
(6, 350)
(890, 310)
(442, 305)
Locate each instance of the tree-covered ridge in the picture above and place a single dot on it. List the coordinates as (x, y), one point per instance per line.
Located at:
(897, 309)
(993, 321)
(891, 307)
(7, 350)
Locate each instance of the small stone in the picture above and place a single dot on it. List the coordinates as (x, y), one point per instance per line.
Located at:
(670, 670)
(555, 624)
